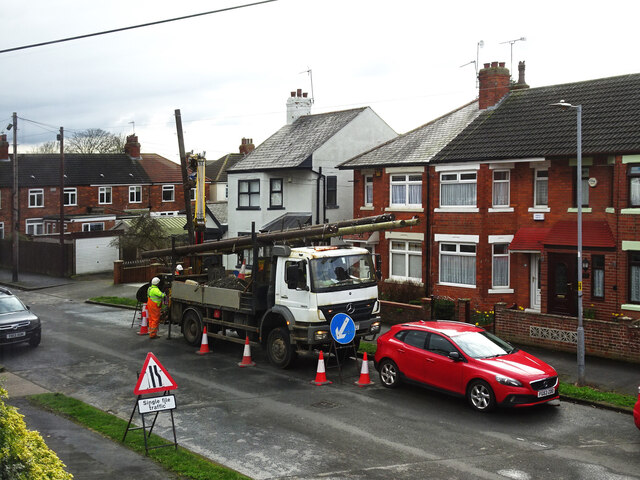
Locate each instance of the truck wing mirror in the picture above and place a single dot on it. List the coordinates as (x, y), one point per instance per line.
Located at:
(378, 266)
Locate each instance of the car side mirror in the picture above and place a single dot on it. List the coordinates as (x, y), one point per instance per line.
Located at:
(455, 356)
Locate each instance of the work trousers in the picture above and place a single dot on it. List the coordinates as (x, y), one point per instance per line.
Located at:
(153, 313)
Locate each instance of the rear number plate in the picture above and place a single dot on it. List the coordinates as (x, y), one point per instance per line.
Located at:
(546, 392)
(16, 335)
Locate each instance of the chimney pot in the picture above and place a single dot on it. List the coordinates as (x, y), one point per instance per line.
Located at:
(501, 64)
(132, 147)
(486, 65)
(4, 148)
(494, 64)
(247, 146)
(299, 92)
(293, 94)
(297, 106)
(305, 94)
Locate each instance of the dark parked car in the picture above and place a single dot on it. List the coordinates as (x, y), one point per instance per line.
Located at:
(464, 360)
(17, 322)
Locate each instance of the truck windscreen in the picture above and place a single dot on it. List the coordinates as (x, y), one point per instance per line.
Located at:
(338, 273)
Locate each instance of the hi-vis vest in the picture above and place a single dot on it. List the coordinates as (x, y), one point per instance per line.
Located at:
(154, 293)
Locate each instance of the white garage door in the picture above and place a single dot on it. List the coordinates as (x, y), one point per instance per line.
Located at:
(95, 255)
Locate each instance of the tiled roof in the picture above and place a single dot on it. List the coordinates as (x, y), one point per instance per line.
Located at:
(419, 145)
(219, 210)
(595, 233)
(525, 125)
(528, 239)
(38, 170)
(290, 146)
(216, 170)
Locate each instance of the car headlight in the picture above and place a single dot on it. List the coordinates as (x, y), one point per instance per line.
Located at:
(320, 335)
(375, 327)
(512, 382)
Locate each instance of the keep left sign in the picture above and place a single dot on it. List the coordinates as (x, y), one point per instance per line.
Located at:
(153, 377)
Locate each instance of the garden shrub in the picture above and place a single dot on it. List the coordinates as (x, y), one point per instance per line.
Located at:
(24, 454)
(443, 308)
(401, 292)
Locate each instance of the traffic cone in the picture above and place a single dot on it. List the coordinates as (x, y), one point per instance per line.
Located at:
(246, 356)
(321, 376)
(243, 270)
(364, 373)
(204, 346)
(144, 326)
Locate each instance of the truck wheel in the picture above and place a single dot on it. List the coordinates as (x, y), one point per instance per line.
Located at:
(192, 328)
(279, 348)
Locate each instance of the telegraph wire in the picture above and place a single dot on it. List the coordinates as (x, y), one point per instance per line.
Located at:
(122, 29)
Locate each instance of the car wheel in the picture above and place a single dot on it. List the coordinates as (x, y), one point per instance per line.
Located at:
(279, 348)
(34, 341)
(481, 396)
(389, 373)
(192, 328)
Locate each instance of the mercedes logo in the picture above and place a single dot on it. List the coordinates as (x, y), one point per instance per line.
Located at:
(350, 308)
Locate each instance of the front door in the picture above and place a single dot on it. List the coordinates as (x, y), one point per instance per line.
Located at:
(563, 288)
(534, 282)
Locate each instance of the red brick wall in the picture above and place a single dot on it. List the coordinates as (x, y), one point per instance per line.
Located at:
(618, 339)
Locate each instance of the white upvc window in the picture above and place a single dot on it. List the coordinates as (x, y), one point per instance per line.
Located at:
(368, 190)
(406, 190)
(34, 226)
(104, 195)
(93, 227)
(501, 188)
(541, 188)
(458, 189)
(500, 265)
(248, 193)
(135, 194)
(70, 197)
(1, 230)
(458, 264)
(36, 198)
(168, 193)
(405, 260)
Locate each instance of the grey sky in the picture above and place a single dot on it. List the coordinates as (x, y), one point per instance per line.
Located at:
(231, 73)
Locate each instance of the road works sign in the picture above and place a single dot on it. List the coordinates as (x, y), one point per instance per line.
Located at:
(154, 377)
(343, 330)
(157, 404)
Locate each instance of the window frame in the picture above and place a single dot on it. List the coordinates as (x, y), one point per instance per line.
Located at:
(634, 261)
(103, 192)
(249, 194)
(89, 229)
(634, 178)
(495, 255)
(273, 191)
(34, 222)
(407, 253)
(597, 264)
(536, 182)
(68, 194)
(368, 190)
(133, 189)
(501, 181)
(406, 182)
(36, 194)
(171, 189)
(331, 191)
(1, 230)
(457, 252)
(458, 181)
(584, 184)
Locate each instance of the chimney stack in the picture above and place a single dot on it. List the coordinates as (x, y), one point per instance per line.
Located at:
(4, 148)
(247, 146)
(494, 82)
(298, 104)
(521, 82)
(132, 147)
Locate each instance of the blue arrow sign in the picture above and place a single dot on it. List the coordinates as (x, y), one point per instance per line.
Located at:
(343, 330)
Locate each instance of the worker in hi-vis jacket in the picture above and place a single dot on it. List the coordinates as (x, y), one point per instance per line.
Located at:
(154, 303)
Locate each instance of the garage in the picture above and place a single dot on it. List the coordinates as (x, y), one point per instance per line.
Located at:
(95, 255)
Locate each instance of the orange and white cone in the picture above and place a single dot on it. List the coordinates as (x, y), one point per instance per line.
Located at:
(144, 326)
(364, 373)
(321, 376)
(243, 270)
(204, 346)
(246, 356)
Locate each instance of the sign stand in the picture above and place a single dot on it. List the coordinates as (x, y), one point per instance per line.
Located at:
(343, 332)
(144, 427)
(347, 349)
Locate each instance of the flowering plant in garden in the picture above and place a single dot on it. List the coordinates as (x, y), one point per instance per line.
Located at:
(615, 316)
(482, 318)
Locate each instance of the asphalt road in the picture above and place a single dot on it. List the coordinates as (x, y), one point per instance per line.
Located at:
(273, 424)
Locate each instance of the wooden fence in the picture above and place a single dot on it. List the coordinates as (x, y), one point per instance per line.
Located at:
(41, 257)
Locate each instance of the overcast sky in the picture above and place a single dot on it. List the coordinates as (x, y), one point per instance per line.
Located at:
(230, 73)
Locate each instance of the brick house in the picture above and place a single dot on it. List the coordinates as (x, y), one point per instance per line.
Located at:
(98, 189)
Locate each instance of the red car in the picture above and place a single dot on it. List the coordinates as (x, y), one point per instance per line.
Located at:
(636, 411)
(464, 360)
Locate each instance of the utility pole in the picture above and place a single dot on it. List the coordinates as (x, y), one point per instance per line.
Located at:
(15, 232)
(185, 177)
(63, 257)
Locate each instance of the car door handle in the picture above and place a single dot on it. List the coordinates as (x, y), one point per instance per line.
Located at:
(430, 360)
(283, 296)
(401, 350)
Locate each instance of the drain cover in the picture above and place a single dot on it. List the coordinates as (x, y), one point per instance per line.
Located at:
(325, 404)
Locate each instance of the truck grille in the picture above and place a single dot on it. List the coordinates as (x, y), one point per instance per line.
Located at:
(544, 383)
(356, 310)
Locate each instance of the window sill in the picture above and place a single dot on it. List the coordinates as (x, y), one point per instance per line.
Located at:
(168, 201)
(532, 310)
(575, 210)
(630, 306)
(248, 208)
(404, 209)
(500, 209)
(500, 290)
(456, 210)
(276, 208)
(332, 207)
(630, 211)
(366, 207)
(36, 206)
(460, 285)
(539, 209)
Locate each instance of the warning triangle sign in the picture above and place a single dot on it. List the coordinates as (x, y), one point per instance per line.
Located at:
(154, 377)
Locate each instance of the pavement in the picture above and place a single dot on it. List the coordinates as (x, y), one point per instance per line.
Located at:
(88, 455)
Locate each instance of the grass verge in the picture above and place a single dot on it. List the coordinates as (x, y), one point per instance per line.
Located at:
(586, 394)
(180, 461)
(130, 302)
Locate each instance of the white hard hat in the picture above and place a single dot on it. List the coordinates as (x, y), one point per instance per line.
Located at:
(155, 281)
(179, 267)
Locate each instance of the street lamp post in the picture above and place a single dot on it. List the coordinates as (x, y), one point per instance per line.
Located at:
(580, 340)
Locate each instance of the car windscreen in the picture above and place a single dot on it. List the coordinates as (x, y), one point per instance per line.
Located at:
(337, 273)
(10, 305)
(483, 345)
